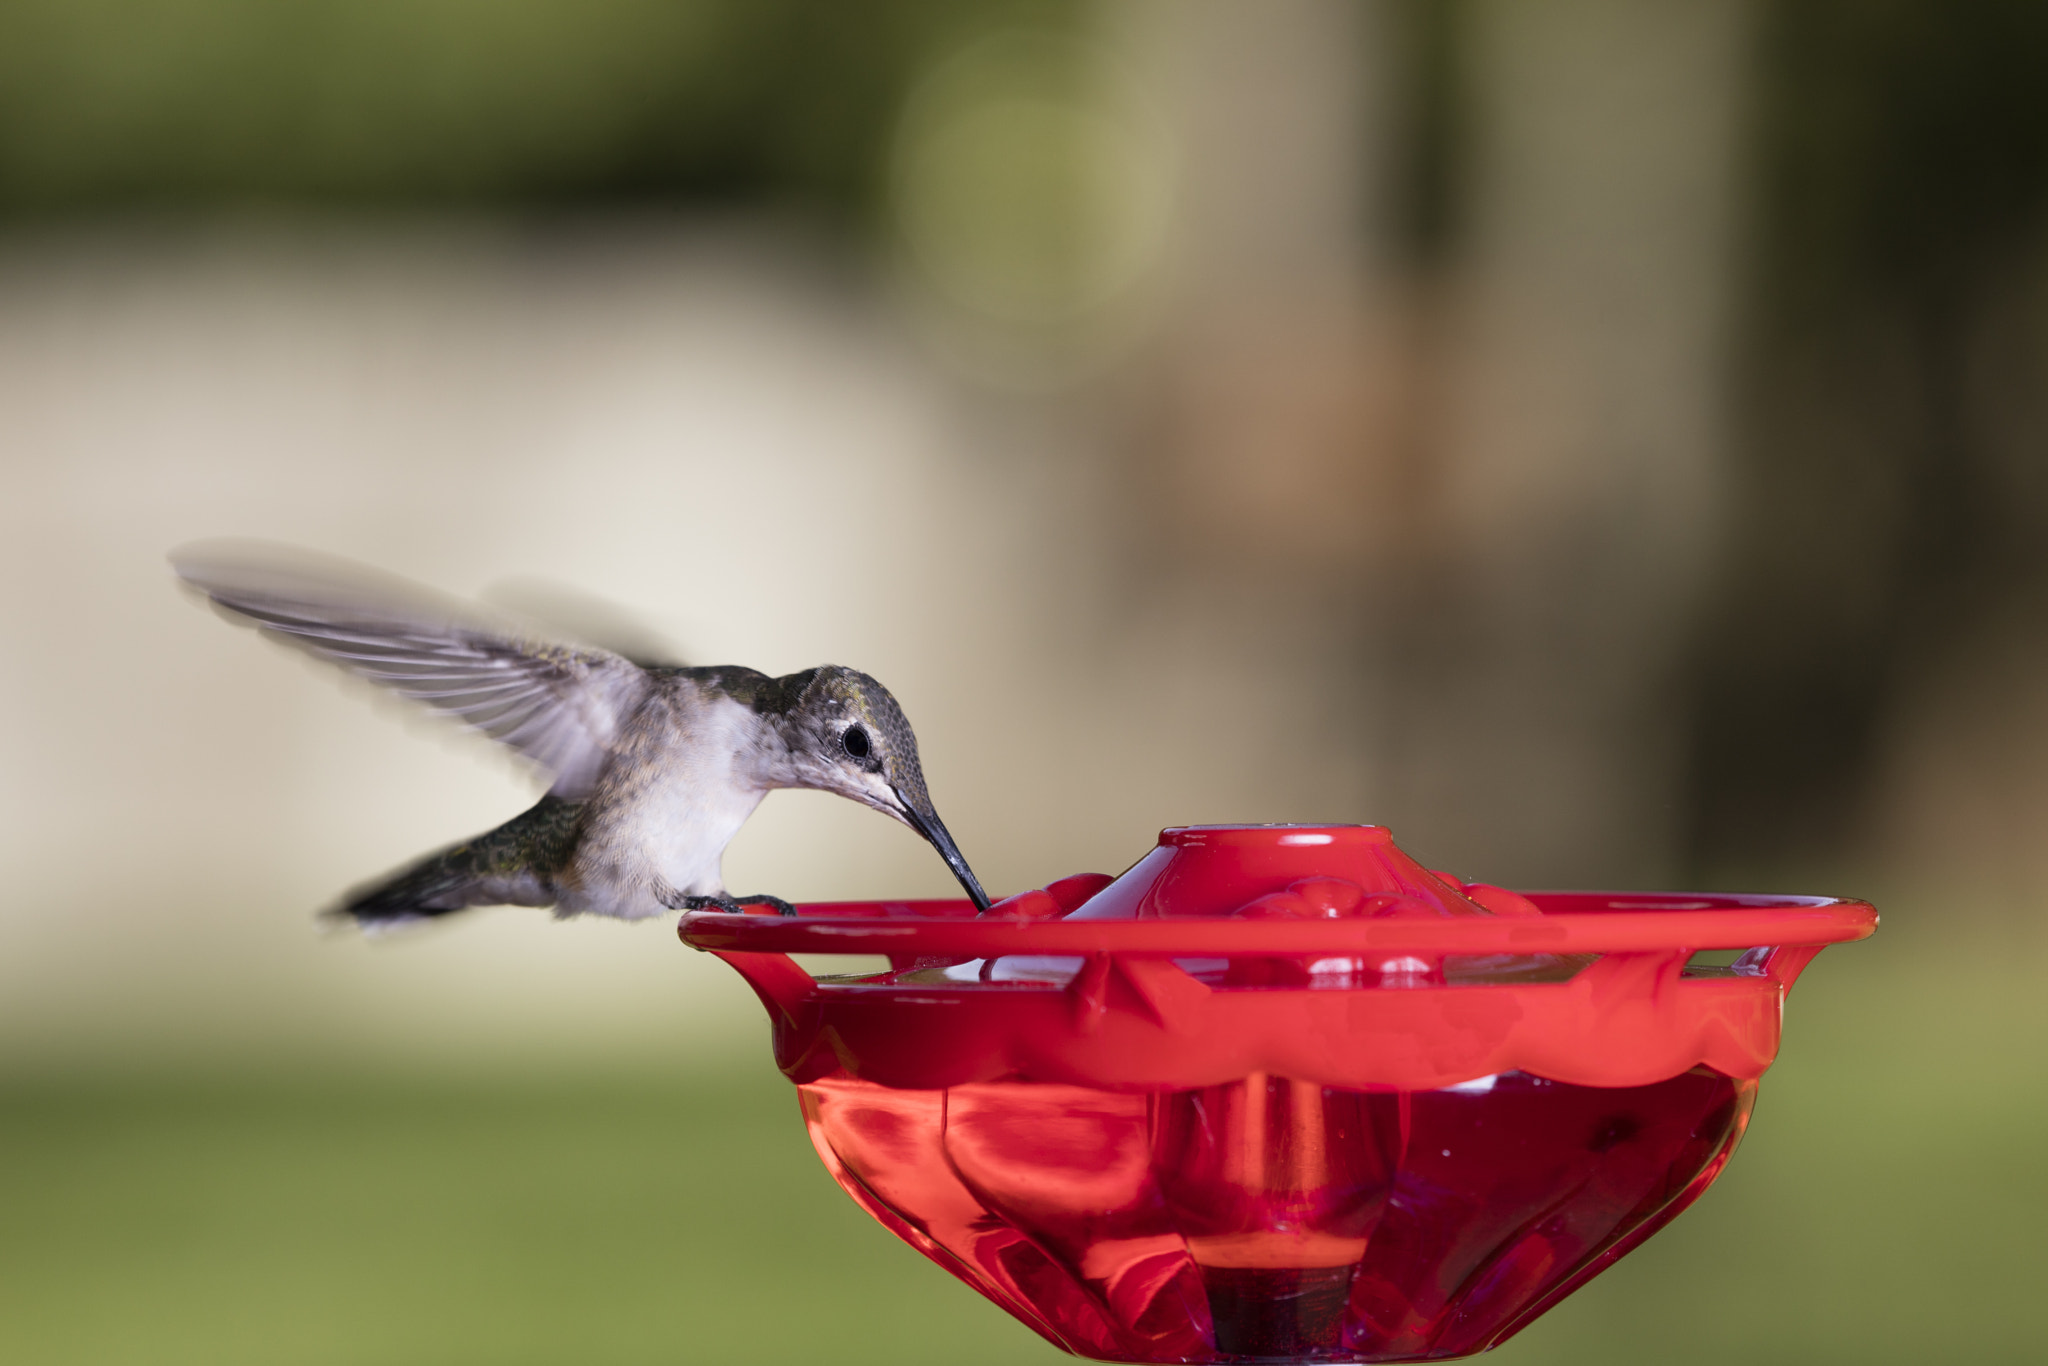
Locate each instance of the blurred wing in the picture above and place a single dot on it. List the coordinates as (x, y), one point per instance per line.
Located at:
(572, 615)
(560, 706)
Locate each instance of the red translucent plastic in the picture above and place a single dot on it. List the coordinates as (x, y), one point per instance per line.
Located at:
(1279, 1093)
(1276, 1218)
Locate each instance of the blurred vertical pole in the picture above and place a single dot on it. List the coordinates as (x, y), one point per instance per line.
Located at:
(1258, 467)
(1574, 439)
(1275, 109)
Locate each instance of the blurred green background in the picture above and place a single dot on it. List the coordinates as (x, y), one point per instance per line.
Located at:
(1603, 440)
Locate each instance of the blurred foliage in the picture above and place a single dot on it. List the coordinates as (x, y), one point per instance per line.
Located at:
(118, 104)
(1901, 142)
(1432, 117)
(1885, 1207)
(1892, 496)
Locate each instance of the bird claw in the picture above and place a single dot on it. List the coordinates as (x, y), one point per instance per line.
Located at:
(780, 906)
(734, 905)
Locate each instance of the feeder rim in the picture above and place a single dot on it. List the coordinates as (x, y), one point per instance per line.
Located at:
(1572, 922)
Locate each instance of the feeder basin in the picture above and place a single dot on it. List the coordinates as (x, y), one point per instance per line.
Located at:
(1279, 1093)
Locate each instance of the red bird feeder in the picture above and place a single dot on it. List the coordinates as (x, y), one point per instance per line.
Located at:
(1279, 1093)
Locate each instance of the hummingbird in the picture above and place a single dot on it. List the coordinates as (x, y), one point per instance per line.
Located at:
(653, 766)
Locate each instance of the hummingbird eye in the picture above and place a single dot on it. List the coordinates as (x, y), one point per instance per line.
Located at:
(855, 742)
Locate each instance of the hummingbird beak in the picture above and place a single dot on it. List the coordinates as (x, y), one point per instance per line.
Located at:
(927, 823)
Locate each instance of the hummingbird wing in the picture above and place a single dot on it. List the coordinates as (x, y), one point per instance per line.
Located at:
(561, 706)
(581, 618)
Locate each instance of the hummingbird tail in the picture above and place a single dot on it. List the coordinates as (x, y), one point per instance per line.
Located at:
(506, 867)
(432, 887)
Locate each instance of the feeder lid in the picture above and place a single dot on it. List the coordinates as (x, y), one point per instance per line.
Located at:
(1283, 872)
(1322, 953)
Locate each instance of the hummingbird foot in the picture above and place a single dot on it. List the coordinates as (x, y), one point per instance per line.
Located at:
(780, 906)
(731, 905)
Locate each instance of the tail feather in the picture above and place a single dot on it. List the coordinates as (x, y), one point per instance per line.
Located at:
(512, 865)
(435, 886)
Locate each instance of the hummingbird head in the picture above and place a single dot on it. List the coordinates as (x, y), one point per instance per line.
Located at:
(846, 734)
